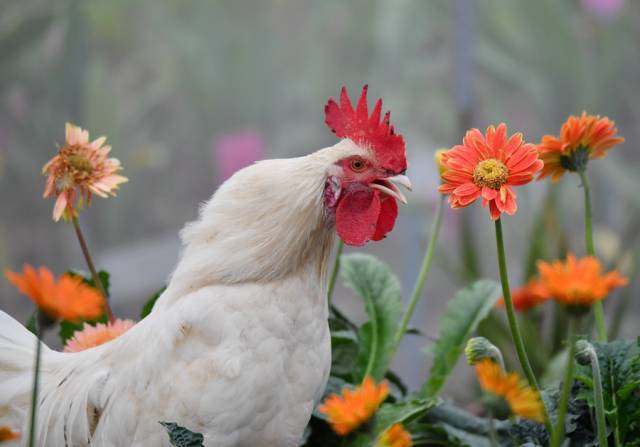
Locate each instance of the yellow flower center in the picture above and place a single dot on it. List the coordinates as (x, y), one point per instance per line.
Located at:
(80, 163)
(491, 173)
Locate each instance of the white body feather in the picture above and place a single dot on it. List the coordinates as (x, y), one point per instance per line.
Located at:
(236, 348)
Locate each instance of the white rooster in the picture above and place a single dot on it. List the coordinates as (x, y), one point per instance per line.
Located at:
(238, 346)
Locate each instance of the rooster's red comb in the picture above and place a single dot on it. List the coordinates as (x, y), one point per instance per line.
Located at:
(367, 131)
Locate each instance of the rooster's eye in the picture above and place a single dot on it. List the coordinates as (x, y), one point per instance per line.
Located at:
(357, 165)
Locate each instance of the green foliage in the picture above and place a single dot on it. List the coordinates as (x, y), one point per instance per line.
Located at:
(67, 328)
(380, 290)
(465, 312)
(402, 413)
(620, 371)
(148, 305)
(32, 323)
(182, 437)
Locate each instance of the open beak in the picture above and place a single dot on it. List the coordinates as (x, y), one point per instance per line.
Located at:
(388, 186)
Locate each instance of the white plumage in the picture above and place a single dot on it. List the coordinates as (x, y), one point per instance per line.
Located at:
(237, 347)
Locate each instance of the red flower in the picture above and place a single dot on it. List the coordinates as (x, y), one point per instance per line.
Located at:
(527, 296)
(489, 166)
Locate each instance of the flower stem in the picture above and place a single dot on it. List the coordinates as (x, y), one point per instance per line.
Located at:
(513, 322)
(597, 395)
(558, 432)
(92, 269)
(34, 392)
(598, 308)
(334, 271)
(422, 276)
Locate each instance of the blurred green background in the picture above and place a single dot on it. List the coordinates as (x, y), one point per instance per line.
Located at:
(187, 91)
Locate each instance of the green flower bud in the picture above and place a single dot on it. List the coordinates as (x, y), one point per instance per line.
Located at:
(584, 352)
(479, 348)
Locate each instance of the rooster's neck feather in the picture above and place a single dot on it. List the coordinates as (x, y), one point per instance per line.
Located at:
(265, 223)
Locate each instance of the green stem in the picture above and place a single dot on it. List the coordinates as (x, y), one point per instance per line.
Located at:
(558, 432)
(422, 276)
(598, 308)
(597, 396)
(513, 322)
(334, 271)
(92, 268)
(34, 393)
(493, 436)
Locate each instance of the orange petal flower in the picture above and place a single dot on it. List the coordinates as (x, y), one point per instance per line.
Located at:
(92, 336)
(67, 298)
(582, 138)
(488, 167)
(395, 436)
(6, 434)
(578, 282)
(527, 296)
(522, 399)
(353, 408)
(81, 166)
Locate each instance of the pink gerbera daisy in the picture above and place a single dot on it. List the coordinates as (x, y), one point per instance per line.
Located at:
(92, 336)
(80, 165)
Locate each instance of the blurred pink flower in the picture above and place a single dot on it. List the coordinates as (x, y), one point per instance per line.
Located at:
(604, 8)
(233, 151)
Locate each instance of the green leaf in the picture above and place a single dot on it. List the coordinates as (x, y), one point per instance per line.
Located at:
(402, 413)
(464, 313)
(148, 305)
(182, 437)
(32, 322)
(620, 371)
(380, 290)
(344, 353)
(103, 276)
(67, 329)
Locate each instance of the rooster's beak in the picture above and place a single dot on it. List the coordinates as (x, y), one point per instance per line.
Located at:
(387, 186)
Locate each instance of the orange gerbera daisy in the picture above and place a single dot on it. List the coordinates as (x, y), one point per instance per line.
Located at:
(6, 434)
(80, 165)
(527, 296)
(521, 398)
(489, 166)
(68, 298)
(92, 336)
(581, 138)
(578, 282)
(353, 408)
(395, 436)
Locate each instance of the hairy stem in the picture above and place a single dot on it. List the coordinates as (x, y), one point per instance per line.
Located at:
(34, 392)
(558, 432)
(334, 271)
(598, 308)
(513, 322)
(422, 276)
(597, 396)
(92, 268)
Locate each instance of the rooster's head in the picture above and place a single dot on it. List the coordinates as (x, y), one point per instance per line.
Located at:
(362, 190)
